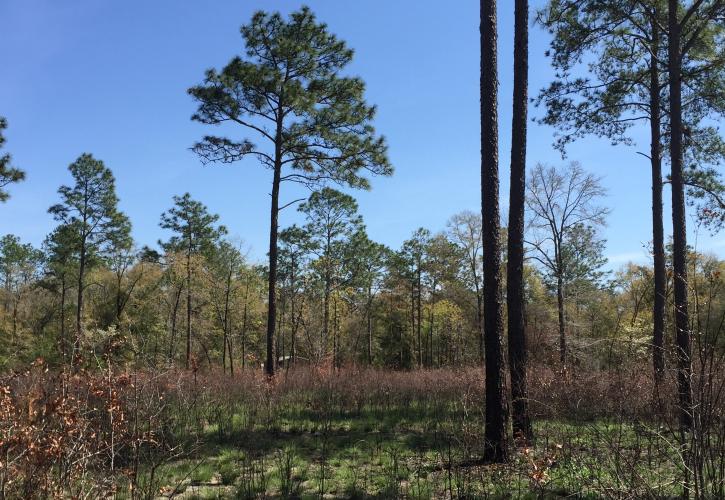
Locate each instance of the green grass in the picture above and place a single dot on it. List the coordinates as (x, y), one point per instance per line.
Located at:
(418, 451)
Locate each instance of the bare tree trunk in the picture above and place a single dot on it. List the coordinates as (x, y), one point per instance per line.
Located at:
(495, 446)
(679, 254)
(515, 275)
(273, 231)
(370, 326)
(63, 339)
(243, 340)
(658, 236)
(172, 340)
(79, 304)
(188, 306)
(562, 316)
(418, 312)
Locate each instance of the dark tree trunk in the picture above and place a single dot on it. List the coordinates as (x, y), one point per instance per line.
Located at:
(515, 275)
(273, 230)
(658, 233)
(682, 337)
(495, 446)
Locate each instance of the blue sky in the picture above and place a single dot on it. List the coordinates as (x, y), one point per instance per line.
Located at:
(110, 78)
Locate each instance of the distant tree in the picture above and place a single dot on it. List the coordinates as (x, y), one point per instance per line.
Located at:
(314, 123)
(371, 261)
(225, 267)
(515, 300)
(90, 208)
(61, 264)
(196, 232)
(294, 255)
(19, 267)
(496, 415)
(332, 220)
(442, 264)
(8, 174)
(563, 217)
(411, 258)
(464, 229)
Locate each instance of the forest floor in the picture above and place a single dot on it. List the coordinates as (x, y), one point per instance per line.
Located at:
(421, 447)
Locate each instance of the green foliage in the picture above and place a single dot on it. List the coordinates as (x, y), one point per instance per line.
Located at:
(8, 173)
(289, 91)
(90, 209)
(194, 228)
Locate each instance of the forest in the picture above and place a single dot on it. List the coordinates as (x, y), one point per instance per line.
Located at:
(498, 356)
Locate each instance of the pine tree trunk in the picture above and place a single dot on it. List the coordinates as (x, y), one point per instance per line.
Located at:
(273, 232)
(679, 254)
(495, 446)
(515, 275)
(658, 238)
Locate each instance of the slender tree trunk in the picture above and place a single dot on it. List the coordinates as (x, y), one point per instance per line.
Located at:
(679, 254)
(418, 312)
(562, 316)
(63, 339)
(293, 324)
(225, 340)
(326, 317)
(188, 307)
(174, 315)
(515, 275)
(495, 446)
(243, 340)
(370, 326)
(658, 233)
(79, 305)
(273, 231)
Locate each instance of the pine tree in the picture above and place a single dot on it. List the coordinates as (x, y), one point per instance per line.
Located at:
(8, 174)
(196, 233)
(90, 209)
(314, 124)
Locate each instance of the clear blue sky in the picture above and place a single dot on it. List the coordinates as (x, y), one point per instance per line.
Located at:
(110, 78)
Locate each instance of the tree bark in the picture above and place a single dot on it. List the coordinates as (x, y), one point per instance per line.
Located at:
(658, 235)
(679, 254)
(515, 275)
(273, 231)
(495, 446)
